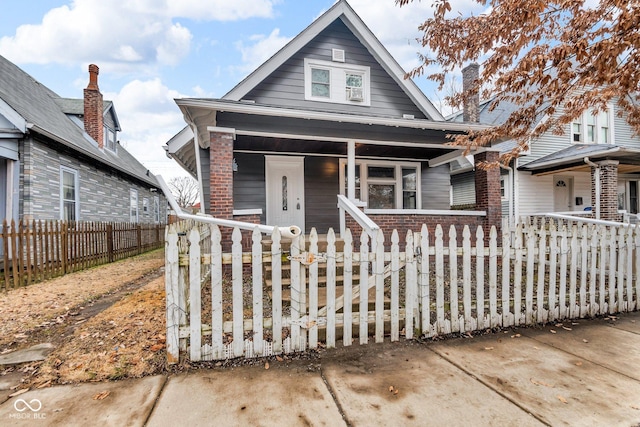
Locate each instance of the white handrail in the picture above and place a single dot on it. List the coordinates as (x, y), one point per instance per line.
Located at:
(287, 232)
(363, 220)
(588, 220)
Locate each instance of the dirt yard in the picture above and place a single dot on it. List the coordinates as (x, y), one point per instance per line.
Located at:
(105, 323)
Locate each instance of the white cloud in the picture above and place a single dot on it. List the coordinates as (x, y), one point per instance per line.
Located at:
(220, 10)
(260, 48)
(397, 27)
(149, 117)
(124, 34)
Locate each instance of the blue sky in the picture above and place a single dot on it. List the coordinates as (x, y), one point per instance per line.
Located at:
(152, 51)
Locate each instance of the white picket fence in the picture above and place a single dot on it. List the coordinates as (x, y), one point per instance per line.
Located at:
(532, 275)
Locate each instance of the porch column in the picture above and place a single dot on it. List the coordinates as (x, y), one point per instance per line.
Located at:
(488, 190)
(351, 170)
(221, 175)
(608, 189)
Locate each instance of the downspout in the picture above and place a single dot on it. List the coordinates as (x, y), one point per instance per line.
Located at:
(596, 178)
(196, 147)
(516, 191)
(511, 183)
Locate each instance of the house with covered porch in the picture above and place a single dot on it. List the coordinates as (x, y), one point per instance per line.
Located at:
(591, 170)
(329, 119)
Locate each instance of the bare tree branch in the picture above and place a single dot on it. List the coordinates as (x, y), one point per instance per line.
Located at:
(185, 191)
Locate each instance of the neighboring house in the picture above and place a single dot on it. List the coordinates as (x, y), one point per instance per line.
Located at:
(60, 158)
(331, 104)
(594, 167)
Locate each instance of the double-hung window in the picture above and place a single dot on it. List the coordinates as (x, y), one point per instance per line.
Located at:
(592, 128)
(133, 203)
(156, 209)
(385, 185)
(335, 82)
(110, 139)
(69, 203)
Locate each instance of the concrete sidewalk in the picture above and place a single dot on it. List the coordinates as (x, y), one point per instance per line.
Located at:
(581, 373)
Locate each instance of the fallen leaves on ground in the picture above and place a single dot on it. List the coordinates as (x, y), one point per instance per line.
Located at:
(102, 395)
(48, 303)
(123, 341)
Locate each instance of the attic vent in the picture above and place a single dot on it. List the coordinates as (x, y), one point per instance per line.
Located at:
(355, 94)
(337, 55)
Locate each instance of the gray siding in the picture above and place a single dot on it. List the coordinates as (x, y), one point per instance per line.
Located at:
(435, 187)
(285, 86)
(321, 187)
(103, 195)
(464, 188)
(249, 191)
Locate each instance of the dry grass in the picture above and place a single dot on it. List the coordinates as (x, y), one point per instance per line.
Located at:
(24, 309)
(124, 341)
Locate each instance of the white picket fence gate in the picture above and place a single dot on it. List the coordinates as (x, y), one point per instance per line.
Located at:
(218, 306)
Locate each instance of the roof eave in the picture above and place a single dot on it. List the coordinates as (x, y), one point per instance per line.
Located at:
(256, 109)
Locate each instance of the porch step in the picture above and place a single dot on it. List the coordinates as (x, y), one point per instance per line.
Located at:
(322, 280)
(322, 296)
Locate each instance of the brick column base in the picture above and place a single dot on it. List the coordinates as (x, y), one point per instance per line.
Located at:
(608, 190)
(488, 197)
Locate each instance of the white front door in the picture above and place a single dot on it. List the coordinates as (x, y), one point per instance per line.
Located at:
(285, 191)
(562, 191)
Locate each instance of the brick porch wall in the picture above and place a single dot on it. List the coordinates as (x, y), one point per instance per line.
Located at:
(405, 222)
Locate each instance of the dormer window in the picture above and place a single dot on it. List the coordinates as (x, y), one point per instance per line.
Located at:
(109, 139)
(336, 82)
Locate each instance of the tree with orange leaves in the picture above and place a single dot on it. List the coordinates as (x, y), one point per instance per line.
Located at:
(553, 59)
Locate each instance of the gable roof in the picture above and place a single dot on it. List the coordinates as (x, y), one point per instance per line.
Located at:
(341, 10)
(41, 110)
(76, 107)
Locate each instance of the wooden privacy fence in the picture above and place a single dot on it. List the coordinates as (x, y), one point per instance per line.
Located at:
(33, 251)
(434, 287)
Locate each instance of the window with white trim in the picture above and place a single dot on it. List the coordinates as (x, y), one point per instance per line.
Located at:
(504, 187)
(156, 209)
(592, 128)
(69, 197)
(145, 205)
(385, 185)
(133, 203)
(110, 139)
(341, 83)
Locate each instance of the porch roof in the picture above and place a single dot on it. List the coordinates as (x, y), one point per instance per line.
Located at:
(573, 158)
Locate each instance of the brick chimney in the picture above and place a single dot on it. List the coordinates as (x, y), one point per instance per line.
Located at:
(93, 119)
(471, 89)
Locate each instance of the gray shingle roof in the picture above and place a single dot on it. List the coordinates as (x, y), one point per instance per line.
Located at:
(45, 111)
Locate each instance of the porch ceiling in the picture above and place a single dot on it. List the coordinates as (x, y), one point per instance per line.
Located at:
(286, 145)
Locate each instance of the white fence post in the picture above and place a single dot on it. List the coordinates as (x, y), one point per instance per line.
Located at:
(195, 299)
(347, 306)
(238, 294)
(410, 287)
(256, 270)
(424, 282)
(217, 329)
(171, 290)
(331, 289)
(395, 286)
